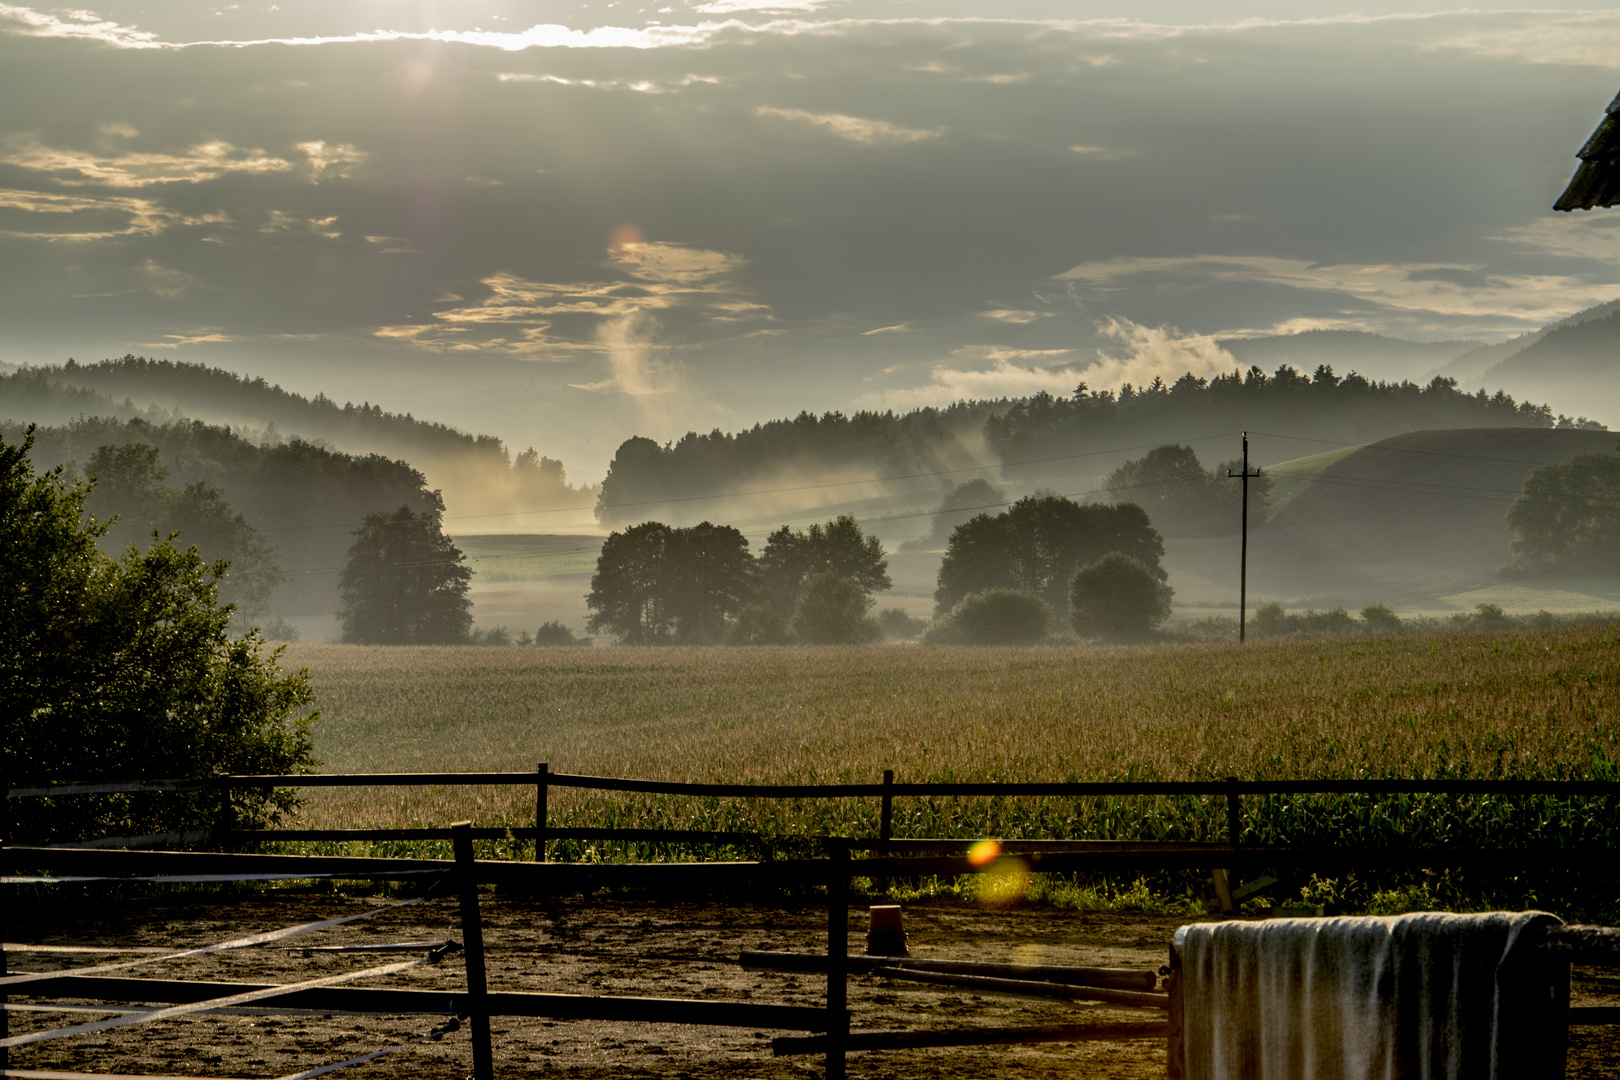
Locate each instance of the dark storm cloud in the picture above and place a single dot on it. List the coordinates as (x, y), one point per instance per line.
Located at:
(676, 218)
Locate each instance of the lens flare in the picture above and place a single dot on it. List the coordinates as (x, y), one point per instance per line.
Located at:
(627, 235)
(984, 852)
(1004, 884)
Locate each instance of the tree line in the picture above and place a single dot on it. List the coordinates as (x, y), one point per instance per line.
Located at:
(1005, 578)
(282, 512)
(1042, 433)
(478, 472)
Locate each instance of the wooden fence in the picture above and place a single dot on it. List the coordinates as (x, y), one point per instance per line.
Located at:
(888, 857)
(1232, 791)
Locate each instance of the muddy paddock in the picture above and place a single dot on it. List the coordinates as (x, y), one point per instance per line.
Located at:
(595, 945)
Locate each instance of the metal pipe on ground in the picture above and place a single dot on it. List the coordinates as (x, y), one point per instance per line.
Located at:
(1135, 999)
(916, 1040)
(1118, 978)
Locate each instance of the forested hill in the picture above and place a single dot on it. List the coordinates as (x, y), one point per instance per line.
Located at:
(476, 472)
(810, 460)
(307, 501)
(1285, 405)
(1050, 439)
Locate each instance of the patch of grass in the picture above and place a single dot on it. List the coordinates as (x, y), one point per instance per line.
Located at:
(529, 556)
(1289, 478)
(1528, 703)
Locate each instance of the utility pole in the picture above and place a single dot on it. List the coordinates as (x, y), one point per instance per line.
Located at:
(1243, 558)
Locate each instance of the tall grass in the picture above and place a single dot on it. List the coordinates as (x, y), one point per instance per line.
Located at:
(1527, 704)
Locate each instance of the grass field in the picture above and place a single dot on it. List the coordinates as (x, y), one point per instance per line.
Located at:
(1289, 478)
(1518, 704)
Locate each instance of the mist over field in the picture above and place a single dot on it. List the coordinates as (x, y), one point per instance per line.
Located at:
(767, 263)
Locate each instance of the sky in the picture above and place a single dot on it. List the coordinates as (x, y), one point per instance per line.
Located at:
(565, 224)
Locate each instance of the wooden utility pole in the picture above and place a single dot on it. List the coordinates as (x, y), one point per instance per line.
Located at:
(1243, 557)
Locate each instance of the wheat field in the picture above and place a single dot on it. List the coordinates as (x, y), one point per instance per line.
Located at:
(1530, 704)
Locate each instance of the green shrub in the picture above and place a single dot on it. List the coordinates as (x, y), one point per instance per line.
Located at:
(1380, 619)
(896, 624)
(832, 611)
(993, 617)
(1117, 597)
(757, 624)
(125, 670)
(555, 633)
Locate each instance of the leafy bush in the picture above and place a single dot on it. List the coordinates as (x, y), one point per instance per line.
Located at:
(1182, 498)
(555, 633)
(758, 624)
(405, 583)
(993, 617)
(1380, 618)
(1037, 544)
(832, 611)
(895, 624)
(1117, 597)
(125, 670)
(495, 635)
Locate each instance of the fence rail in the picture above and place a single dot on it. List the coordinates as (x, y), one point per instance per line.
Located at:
(1232, 790)
(1011, 789)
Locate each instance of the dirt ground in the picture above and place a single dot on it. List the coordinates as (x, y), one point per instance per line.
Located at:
(608, 946)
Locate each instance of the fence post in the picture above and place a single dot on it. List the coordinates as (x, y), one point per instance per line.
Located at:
(472, 941)
(5, 838)
(885, 825)
(1234, 812)
(224, 818)
(542, 788)
(838, 871)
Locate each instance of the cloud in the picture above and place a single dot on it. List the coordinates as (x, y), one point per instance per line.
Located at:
(1015, 315)
(1422, 298)
(165, 282)
(1564, 38)
(206, 335)
(26, 22)
(1098, 153)
(853, 129)
(53, 216)
(204, 161)
(632, 359)
(1004, 377)
(655, 277)
(1454, 275)
(727, 7)
(1154, 352)
(324, 157)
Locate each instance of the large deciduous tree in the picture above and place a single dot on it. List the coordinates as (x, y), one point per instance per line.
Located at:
(129, 482)
(118, 670)
(1567, 517)
(655, 584)
(1037, 544)
(405, 583)
(1181, 497)
(792, 557)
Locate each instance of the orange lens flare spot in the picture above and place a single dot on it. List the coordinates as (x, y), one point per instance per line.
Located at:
(1004, 884)
(627, 235)
(984, 852)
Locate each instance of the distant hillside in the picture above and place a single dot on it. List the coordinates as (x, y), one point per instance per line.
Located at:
(1293, 413)
(1473, 366)
(476, 473)
(1581, 350)
(306, 500)
(1370, 355)
(1420, 513)
(808, 461)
